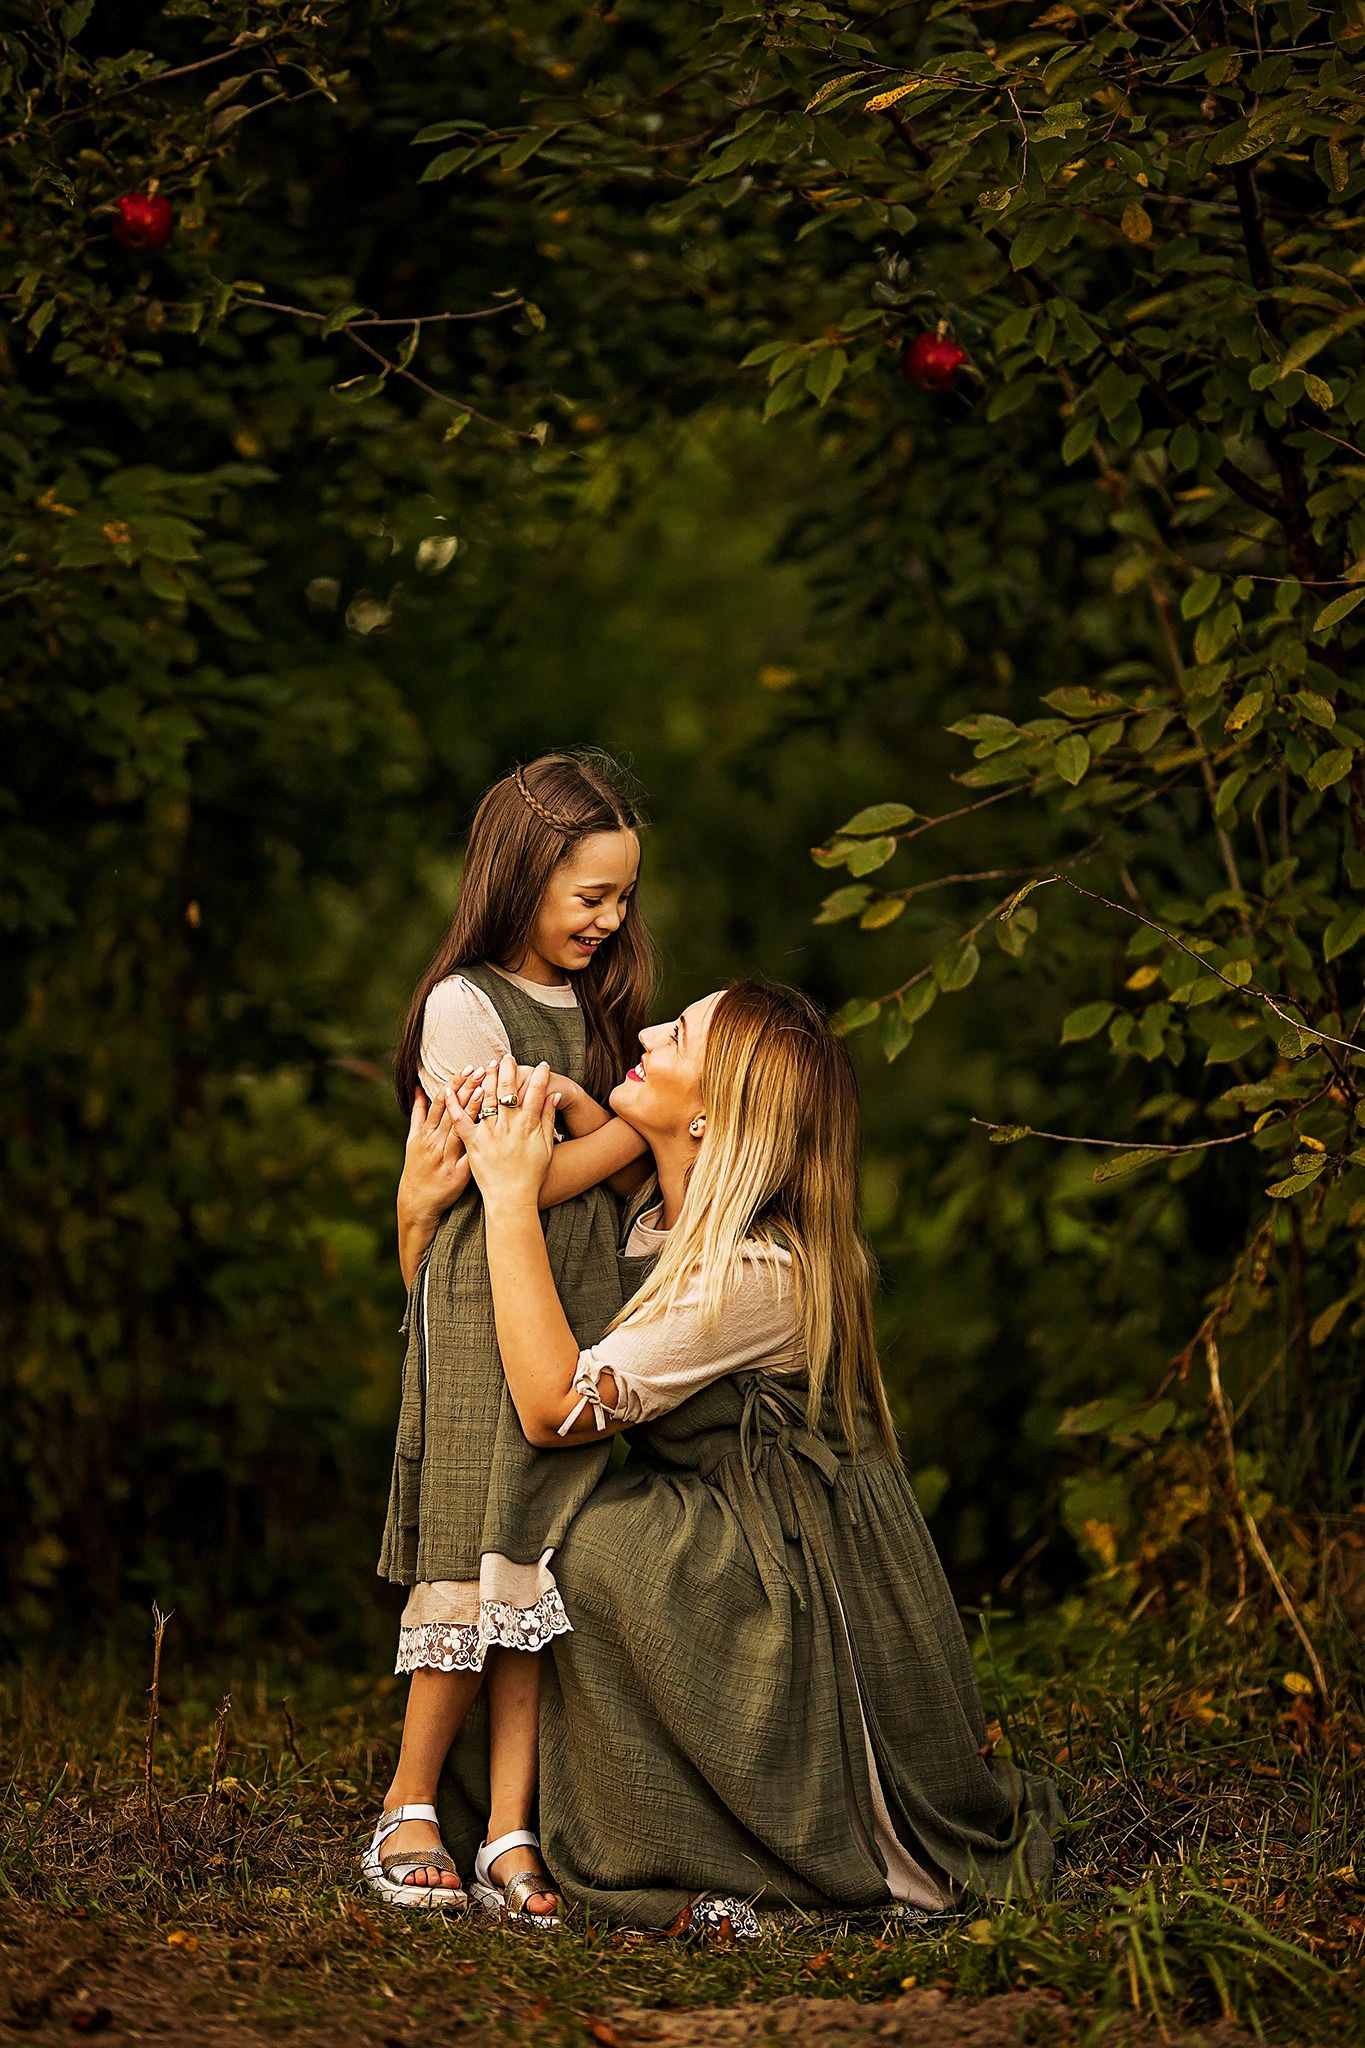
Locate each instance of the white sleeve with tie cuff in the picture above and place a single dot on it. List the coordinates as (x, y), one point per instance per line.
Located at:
(656, 1365)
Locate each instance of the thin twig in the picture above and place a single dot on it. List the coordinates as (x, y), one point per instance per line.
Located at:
(396, 369)
(407, 320)
(1220, 1407)
(1112, 1144)
(291, 1740)
(220, 1750)
(1247, 988)
(154, 1820)
(260, 38)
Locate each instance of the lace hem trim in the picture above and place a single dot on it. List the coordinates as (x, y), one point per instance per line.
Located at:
(462, 1646)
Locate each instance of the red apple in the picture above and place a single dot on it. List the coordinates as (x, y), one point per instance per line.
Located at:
(145, 220)
(932, 362)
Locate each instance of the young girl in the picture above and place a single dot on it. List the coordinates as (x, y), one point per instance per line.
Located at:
(546, 958)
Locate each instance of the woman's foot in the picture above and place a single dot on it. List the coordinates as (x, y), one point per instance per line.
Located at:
(415, 1835)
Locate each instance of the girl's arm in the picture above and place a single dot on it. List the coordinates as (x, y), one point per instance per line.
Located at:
(614, 1155)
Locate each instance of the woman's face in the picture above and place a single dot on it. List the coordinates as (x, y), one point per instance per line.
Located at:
(585, 900)
(661, 1095)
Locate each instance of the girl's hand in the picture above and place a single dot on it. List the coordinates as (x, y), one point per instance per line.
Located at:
(510, 1147)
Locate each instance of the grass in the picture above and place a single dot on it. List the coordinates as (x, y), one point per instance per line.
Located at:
(1216, 1868)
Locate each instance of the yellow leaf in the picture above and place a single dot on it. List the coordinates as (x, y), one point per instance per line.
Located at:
(1103, 1539)
(179, 1939)
(1136, 223)
(1294, 1681)
(1143, 977)
(883, 100)
(773, 677)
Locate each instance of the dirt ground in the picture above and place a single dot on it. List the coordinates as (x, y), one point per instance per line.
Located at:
(60, 1979)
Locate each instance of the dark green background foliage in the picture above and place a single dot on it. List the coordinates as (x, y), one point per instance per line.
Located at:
(292, 570)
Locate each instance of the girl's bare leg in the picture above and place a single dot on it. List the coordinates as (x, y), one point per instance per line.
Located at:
(437, 1704)
(514, 1762)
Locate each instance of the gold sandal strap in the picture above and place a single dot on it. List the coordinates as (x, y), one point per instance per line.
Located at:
(527, 1884)
(417, 1859)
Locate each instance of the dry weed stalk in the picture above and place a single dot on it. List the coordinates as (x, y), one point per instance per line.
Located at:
(220, 1750)
(154, 1816)
(1243, 1509)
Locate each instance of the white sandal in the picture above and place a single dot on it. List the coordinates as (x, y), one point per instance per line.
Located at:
(506, 1901)
(380, 1870)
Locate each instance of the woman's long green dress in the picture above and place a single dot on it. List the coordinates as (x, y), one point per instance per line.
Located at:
(753, 1610)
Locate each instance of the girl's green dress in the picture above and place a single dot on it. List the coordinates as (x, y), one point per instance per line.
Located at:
(466, 1485)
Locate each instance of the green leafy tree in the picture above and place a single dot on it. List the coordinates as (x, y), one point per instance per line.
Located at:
(1117, 251)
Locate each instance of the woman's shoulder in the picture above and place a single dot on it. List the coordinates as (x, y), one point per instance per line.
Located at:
(767, 1253)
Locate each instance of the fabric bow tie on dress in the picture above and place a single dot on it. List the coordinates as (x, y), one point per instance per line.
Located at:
(794, 1456)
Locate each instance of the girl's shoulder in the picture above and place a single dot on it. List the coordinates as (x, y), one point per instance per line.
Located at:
(458, 996)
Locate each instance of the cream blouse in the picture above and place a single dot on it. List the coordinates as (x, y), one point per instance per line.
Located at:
(657, 1365)
(461, 1027)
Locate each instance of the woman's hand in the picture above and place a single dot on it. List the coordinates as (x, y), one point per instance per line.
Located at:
(511, 1145)
(577, 1110)
(435, 1171)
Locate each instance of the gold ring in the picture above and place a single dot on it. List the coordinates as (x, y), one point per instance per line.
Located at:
(508, 1101)
(486, 1114)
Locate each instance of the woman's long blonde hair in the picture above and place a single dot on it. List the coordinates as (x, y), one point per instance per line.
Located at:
(780, 1164)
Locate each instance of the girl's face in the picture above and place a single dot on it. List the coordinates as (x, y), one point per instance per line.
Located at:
(661, 1095)
(584, 902)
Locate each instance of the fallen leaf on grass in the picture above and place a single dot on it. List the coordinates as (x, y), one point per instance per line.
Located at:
(605, 2032)
(180, 1939)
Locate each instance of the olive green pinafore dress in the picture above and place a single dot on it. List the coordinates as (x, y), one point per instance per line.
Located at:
(466, 1484)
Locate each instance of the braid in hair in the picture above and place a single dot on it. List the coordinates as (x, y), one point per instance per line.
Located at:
(559, 824)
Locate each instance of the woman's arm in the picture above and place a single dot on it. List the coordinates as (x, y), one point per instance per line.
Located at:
(600, 1149)
(636, 1371)
(510, 1155)
(435, 1174)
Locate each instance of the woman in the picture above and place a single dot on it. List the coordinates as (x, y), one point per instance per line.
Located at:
(766, 1696)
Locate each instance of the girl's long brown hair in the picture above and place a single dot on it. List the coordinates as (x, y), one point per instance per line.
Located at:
(525, 827)
(779, 1165)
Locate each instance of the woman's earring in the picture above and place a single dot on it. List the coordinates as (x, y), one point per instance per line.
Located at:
(697, 1127)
